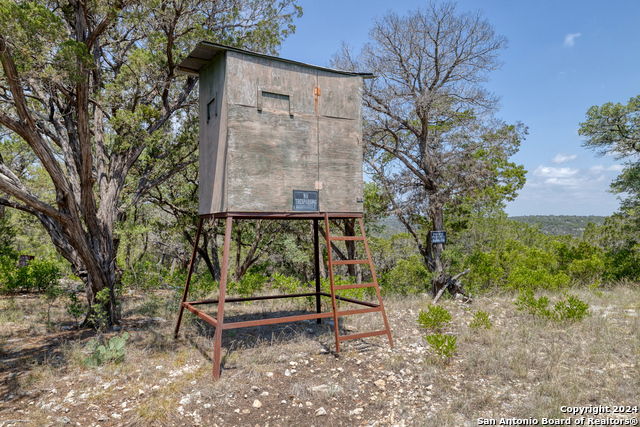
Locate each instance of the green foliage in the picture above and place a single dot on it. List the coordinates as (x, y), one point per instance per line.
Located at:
(31, 27)
(619, 241)
(74, 306)
(409, 276)
(615, 128)
(50, 295)
(481, 320)
(526, 301)
(38, 276)
(506, 254)
(7, 236)
(250, 284)
(144, 275)
(99, 317)
(286, 284)
(570, 308)
(435, 317)
(444, 346)
(112, 351)
(628, 182)
(133, 120)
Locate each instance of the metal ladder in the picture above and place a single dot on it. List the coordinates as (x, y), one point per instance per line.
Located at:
(373, 307)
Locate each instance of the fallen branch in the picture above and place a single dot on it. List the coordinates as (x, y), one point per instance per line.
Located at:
(453, 282)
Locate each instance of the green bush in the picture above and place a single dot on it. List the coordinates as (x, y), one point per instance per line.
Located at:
(407, 277)
(481, 320)
(144, 275)
(286, 284)
(99, 317)
(435, 317)
(443, 345)
(569, 308)
(74, 307)
(38, 276)
(112, 351)
(250, 284)
(526, 301)
(7, 237)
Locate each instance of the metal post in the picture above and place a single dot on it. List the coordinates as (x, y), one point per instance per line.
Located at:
(331, 284)
(217, 339)
(316, 247)
(186, 286)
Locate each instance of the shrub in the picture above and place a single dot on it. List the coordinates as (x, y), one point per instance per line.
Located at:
(481, 320)
(286, 284)
(38, 276)
(407, 277)
(444, 345)
(113, 351)
(99, 317)
(250, 284)
(526, 301)
(569, 308)
(144, 275)
(74, 307)
(435, 317)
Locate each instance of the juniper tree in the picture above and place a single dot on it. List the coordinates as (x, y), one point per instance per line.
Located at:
(91, 87)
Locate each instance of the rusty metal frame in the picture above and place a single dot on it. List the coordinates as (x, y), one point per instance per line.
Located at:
(219, 324)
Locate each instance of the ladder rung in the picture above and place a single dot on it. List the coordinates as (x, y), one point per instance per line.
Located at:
(350, 238)
(358, 311)
(355, 285)
(362, 335)
(350, 261)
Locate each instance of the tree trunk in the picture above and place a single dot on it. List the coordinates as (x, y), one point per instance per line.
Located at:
(253, 255)
(215, 261)
(434, 251)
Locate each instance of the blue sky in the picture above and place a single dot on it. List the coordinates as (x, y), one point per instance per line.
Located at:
(563, 57)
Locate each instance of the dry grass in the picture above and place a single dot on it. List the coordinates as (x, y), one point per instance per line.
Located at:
(522, 367)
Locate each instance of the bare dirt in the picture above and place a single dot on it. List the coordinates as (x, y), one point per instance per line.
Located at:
(290, 375)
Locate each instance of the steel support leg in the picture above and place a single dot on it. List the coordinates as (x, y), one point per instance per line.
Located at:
(334, 306)
(217, 339)
(316, 247)
(186, 286)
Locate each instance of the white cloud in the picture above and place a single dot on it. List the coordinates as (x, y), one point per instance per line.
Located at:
(551, 172)
(601, 168)
(561, 158)
(569, 39)
(567, 191)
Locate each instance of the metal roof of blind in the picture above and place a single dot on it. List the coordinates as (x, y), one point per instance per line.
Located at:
(205, 52)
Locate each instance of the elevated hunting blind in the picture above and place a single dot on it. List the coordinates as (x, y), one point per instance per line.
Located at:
(279, 139)
(269, 127)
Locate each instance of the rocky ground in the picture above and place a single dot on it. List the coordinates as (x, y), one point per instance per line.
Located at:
(290, 375)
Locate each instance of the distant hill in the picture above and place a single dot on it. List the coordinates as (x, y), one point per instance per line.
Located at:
(558, 225)
(392, 226)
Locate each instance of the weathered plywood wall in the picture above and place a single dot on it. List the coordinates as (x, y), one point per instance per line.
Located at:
(212, 181)
(273, 134)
